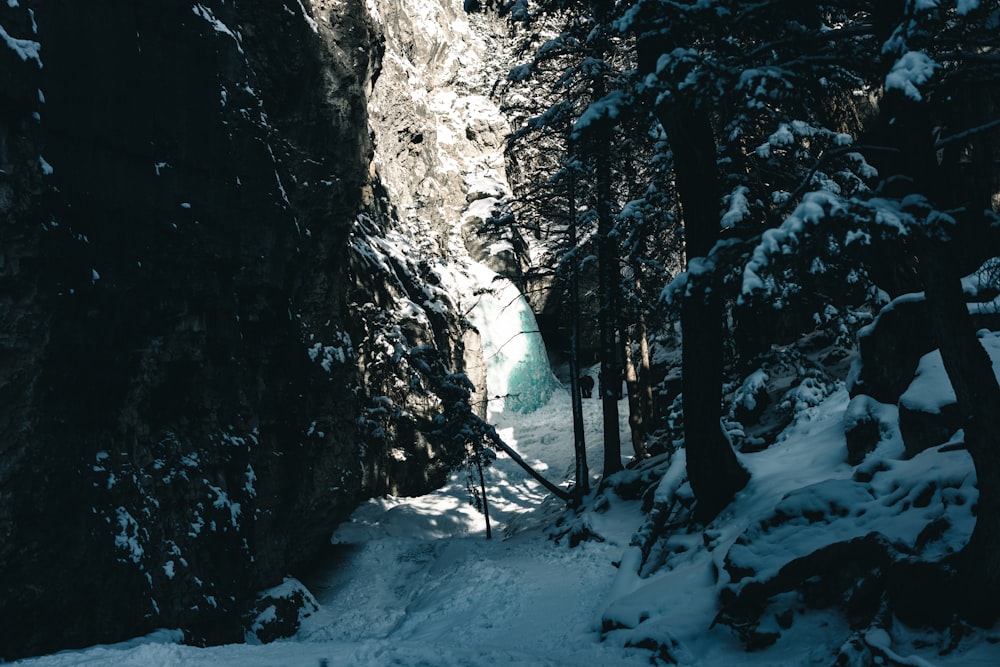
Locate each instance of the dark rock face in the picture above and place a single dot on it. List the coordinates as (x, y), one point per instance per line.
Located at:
(890, 348)
(922, 429)
(181, 371)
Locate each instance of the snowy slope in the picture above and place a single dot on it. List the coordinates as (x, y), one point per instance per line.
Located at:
(412, 581)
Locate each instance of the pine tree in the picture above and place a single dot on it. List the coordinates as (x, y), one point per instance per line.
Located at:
(940, 106)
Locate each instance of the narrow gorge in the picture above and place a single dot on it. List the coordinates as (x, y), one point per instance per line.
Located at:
(237, 242)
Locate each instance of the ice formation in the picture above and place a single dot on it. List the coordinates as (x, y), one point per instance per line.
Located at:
(518, 376)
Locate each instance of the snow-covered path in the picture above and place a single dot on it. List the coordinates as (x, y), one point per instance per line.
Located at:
(418, 572)
(413, 581)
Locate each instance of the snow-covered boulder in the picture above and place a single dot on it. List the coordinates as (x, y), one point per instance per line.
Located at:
(770, 398)
(866, 423)
(279, 612)
(928, 411)
(832, 542)
(891, 347)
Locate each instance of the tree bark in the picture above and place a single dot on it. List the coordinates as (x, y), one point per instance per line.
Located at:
(491, 434)
(646, 402)
(608, 284)
(970, 371)
(635, 355)
(610, 373)
(638, 407)
(486, 502)
(713, 469)
(971, 374)
(579, 438)
(636, 419)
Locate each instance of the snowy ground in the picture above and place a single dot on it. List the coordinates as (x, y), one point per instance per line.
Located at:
(414, 582)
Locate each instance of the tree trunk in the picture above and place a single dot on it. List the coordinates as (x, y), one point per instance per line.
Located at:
(491, 434)
(610, 374)
(938, 176)
(713, 469)
(978, 394)
(640, 392)
(579, 438)
(646, 402)
(636, 418)
(608, 284)
(635, 356)
(486, 502)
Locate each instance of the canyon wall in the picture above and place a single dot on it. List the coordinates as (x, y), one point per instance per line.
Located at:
(219, 329)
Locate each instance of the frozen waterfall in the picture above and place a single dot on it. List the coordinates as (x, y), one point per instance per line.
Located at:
(518, 376)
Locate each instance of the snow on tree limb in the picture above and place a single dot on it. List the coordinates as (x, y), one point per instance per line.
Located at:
(815, 206)
(914, 68)
(608, 107)
(26, 49)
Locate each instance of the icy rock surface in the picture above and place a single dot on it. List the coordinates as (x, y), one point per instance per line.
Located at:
(517, 366)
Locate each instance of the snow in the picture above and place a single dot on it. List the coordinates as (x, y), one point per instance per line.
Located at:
(914, 68)
(608, 107)
(782, 137)
(747, 394)
(804, 482)
(931, 389)
(218, 26)
(26, 49)
(327, 355)
(412, 581)
(128, 539)
(739, 207)
(222, 501)
(780, 240)
(309, 19)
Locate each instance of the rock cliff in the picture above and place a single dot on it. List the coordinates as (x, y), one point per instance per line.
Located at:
(213, 344)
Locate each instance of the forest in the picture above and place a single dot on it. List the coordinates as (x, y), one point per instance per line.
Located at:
(813, 168)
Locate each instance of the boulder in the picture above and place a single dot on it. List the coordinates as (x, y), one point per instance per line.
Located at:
(891, 346)
(928, 409)
(865, 425)
(279, 611)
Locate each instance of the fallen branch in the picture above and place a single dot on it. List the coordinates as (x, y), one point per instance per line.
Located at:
(494, 437)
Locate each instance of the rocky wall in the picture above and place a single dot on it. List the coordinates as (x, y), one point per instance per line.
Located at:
(185, 373)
